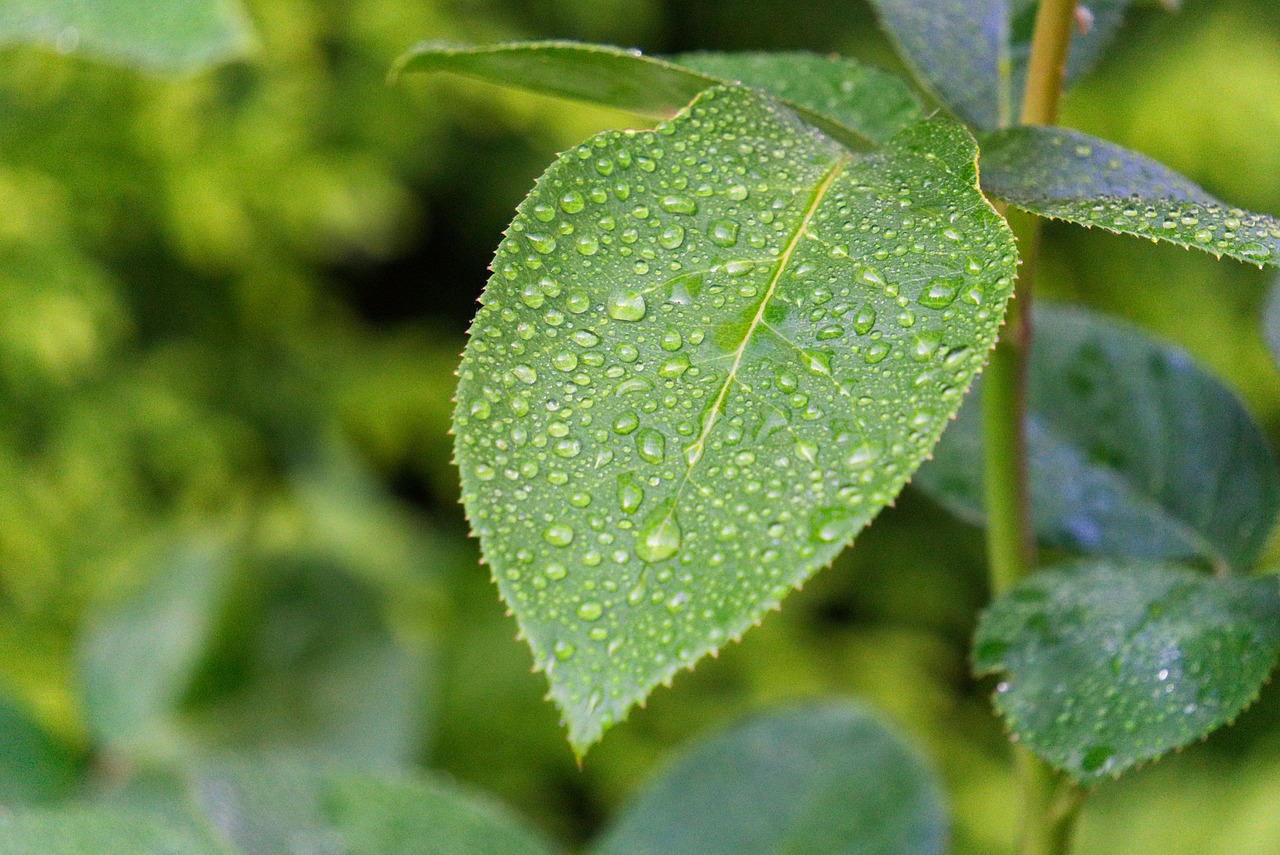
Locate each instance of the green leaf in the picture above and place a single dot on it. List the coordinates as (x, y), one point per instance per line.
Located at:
(1108, 665)
(708, 355)
(838, 95)
(156, 35)
(270, 806)
(1271, 322)
(823, 780)
(1133, 450)
(1072, 176)
(137, 658)
(973, 53)
(33, 767)
(79, 831)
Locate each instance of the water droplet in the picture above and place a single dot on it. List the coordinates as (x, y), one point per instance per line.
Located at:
(626, 304)
(724, 233)
(625, 424)
(556, 572)
(672, 341)
(737, 192)
(485, 472)
(586, 245)
(572, 202)
(674, 367)
(565, 361)
(660, 541)
(584, 338)
(862, 455)
(628, 352)
(1097, 758)
(531, 295)
(590, 610)
(525, 374)
(870, 276)
(676, 204)
(541, 243)
(865, 319)
(671, 237)
(651, 445)
(558, 535)
(630, 495)
(563, 650)
(876, 352)
(941, 292)
(831, 524)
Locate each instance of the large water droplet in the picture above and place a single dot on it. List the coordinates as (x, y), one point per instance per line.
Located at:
(525, 374)
(626, 304)
(940, 292)
(625, 423)
(651, 445)
(672, 237)
(590, 610)
(558, 534)
(724, 233)
(677, 204)
(660, 541)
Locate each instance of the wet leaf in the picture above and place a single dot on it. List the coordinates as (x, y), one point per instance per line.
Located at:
(1072, 176)
(973, 53)
(823, 780)
(137, 657)
(1133, 450)
(79, 830)
(155, 35)
(838, 95)
(1108, 665)
(700, 367)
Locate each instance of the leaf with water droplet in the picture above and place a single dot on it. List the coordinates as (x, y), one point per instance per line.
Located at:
(851, 101)
(822, 779)
(973, 53)
(157, 35)
(1105, 665)
(1133, 450)
(1067, 175)
(746, 416)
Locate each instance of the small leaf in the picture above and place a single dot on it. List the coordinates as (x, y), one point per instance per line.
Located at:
(1133, 450)
(973, 53)
(79, 831)
(1108, 665)
(33, 767)
(836, 94)
(1072, 176)
(701, 366)
(823, 780)
(137, 658)
(155, 35)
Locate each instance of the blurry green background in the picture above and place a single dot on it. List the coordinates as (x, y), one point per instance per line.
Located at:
(230, 309)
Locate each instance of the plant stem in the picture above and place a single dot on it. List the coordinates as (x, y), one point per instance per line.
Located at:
(1050, 803)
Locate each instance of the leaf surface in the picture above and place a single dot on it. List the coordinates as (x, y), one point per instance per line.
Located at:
(823, 780)
(838, 95)
(33, 767)
(1067, 175)
(155, 35)
(708, 355)
(973, 53)
(1133, 450)
(78, 831)
(1108, 665)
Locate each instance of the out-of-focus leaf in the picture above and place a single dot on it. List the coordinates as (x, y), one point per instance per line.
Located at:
(836, 94)
(973, 53)
(423, 817)
(822, 780)
(690, 385)
(1271, 322)
(1109, 664)
(1133, 450)
(81, 831)
(156, 35)
(33, 768)
(1061, 173)
(137, 658)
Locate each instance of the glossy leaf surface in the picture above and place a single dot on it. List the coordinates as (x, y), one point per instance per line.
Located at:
(1108, 665)
(156, 35)
(708, 355)
(823, 780)
(973, 53)
(137, 658)
(1133, 450)
(1072, 176)
(836, 94)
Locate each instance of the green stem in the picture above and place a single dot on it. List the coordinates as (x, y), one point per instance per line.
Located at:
(1050, 803)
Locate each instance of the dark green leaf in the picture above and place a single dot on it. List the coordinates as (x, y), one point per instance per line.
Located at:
(33, 768)
(708, 355)
(1072, 176)
(157, 35)
(822, 780)
(1108, 665)
(1133, 450)
(836, 94)
(973, 53)
(137, 659)
(81, 831)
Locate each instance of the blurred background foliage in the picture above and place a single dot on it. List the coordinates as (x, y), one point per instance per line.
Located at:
(230, 309)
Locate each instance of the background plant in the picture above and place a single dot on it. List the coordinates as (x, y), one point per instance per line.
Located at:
(149, 461)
